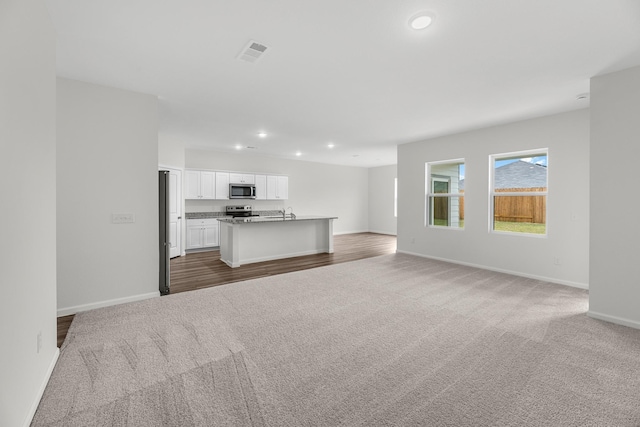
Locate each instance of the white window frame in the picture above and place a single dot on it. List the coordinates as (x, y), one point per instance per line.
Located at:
(429, 193)
(492, 193)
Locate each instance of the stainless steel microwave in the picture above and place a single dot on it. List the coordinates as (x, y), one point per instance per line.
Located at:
(242, 191)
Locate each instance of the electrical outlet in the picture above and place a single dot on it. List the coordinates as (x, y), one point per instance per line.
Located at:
(39, 345)
(556, 261)
(123, 218)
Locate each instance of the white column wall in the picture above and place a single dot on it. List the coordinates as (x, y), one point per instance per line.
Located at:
(567, 137)
(614, 291)
(381, 199)
(107, 164)
(28, 213)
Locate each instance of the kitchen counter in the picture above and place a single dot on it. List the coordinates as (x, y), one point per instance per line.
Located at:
(205, 215)
(263, 238)
(260, 219)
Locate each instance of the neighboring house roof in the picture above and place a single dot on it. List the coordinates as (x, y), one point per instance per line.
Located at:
(518, 174)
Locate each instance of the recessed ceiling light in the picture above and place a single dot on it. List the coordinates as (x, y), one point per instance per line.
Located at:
(298, 154)
(238, 147)
(262, 134)
(420, 21)
(330, 145)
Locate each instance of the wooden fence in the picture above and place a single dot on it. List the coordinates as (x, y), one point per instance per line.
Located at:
(517, 208)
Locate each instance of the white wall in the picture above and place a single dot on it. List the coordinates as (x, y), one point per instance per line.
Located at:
(170, 151)
(381, 199)
(567, 137)
(614, 291)
(107, 164)
(314, 188)
(28, 194)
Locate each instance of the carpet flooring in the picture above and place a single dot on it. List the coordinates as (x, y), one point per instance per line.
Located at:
(395, 340)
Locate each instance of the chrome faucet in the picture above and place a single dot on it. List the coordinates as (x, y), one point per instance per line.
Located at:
(293, 216)
(284, 213)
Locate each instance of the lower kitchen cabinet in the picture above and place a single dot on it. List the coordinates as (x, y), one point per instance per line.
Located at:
(203, 233)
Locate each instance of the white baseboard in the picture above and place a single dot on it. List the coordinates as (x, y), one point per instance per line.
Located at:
(382, 232)
(85, 307)
(614, 319)
(43, 386)
(501, 270)
(350, 232)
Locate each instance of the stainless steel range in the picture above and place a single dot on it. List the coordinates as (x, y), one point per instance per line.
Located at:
(240, 211)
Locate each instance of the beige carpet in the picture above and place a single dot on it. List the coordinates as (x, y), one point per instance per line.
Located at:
(390, 341)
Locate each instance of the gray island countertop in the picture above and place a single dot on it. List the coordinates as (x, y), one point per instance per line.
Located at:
(261, 219)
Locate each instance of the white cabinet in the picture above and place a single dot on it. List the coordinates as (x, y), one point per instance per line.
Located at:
(199, 184)
(203, 233)
(211, 235)
(191, 184)
(222, 185)
(241, 178)
(261, 187)
(277, 187)
(283, 188)
(202, 185)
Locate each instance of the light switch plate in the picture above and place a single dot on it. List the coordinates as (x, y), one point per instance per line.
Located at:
(123, 218)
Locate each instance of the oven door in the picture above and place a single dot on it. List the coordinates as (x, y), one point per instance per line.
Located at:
(242, 191)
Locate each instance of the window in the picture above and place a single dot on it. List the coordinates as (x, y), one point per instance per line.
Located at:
(519, 192)
(445, 194)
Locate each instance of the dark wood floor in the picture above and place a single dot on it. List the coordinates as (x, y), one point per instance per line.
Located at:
(204, 269)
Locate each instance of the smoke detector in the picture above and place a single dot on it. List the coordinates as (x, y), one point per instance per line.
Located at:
(252, 52)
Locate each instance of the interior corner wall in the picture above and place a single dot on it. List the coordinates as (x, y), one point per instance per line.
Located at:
(107, 164)
(382, 218)
(314, 188)
(614, 290)
(28, 194)
(566, 136)
(170, 151)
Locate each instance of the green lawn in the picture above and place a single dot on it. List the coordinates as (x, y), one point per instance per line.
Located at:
(520, 227)
(443, 222)
(514, 227)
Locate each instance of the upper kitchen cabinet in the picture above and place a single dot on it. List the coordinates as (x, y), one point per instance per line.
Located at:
(241, 178)
(199, 185)
(261, 187)
(222, 185)
(277, 187)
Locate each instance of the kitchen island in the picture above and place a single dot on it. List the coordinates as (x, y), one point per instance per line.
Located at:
(257, 239)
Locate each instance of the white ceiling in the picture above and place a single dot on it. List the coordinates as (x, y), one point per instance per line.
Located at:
(350, 72)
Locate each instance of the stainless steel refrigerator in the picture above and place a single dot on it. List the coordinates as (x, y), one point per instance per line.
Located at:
(163, 198)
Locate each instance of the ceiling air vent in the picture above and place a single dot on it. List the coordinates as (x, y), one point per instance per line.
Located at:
(252, 52)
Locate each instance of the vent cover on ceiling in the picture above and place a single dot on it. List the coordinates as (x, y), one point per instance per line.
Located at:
(252, 52)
